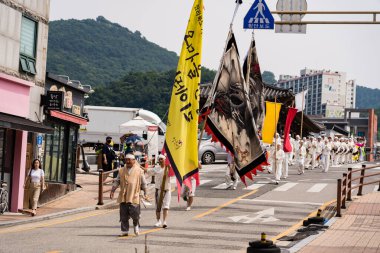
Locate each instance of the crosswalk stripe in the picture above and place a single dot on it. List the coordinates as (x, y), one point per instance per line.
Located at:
(253, 187)
(221, 186)
(204, 181)
(285, 187)
(317, 188)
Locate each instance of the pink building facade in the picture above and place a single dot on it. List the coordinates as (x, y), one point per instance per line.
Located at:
(14, 104)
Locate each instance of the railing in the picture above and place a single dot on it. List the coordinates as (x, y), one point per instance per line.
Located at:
(344, 186)
(103, 175)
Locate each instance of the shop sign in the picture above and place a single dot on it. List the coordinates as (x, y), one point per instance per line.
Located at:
(76, 109)
(54, 100)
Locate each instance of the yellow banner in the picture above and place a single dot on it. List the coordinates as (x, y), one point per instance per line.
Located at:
(181, 143)
(272, 113)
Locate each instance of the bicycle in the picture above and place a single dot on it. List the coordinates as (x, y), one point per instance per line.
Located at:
(3, 197)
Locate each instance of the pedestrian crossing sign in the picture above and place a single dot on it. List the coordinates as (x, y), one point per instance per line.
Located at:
(259, 16)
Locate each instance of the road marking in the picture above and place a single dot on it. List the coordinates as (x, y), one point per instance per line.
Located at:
(204, 181)
(317, 188)
(299, 224)
(282, 202)
(263, 182)
(304, 180)
(52, 223)
(141, 233)
(222, 186)
(224, 205)
(285, 187)
(262, 216)
(253, 187)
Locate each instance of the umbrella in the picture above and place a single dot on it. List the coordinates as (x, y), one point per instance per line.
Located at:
(136, 124)
(133, 138)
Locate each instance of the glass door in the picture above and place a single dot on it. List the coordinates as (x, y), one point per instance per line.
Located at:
(7, 141)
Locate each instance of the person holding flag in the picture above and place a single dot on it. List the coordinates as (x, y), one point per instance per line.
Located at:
(163, 187)
(182, 126)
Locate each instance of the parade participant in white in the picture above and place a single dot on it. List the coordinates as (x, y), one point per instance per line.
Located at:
(159, 172)
(318, 151)
(279, 157)
(325, 159)
(231, 173)
(300, 157)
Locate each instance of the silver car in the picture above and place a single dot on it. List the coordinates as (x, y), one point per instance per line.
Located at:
(210, 151)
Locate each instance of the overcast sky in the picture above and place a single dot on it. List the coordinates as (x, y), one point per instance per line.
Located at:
(354, 49)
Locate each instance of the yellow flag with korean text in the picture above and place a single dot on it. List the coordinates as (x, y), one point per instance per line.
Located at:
(272, 113)
(181, 141)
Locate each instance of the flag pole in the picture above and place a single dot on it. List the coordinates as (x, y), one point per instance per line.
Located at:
(303, 101)
(275, 139)
(210, 100)
(161, 199)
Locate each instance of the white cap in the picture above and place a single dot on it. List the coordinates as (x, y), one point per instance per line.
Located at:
(130, 156)
(161, 156)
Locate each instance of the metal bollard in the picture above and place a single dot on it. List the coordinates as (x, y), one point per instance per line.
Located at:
(262, 246)
(349, 184)
(100, 188)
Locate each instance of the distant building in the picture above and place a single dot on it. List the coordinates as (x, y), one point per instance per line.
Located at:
(328, 91)
(23, 52)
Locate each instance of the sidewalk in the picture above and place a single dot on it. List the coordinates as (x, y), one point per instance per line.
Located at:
(85, 198)
(358, 230)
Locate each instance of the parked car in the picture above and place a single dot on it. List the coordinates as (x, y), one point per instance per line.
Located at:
(210, 151)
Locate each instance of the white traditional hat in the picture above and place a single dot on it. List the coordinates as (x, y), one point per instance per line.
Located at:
(130, 156)
(161, 156)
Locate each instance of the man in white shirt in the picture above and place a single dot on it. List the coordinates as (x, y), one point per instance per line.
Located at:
(325, 159)
(300, 155)
(160, 173)
(279, 159)
(318, 151)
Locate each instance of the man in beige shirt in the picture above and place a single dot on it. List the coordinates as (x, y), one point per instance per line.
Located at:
(131, 180)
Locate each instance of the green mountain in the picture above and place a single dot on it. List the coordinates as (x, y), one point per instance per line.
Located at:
(367, 97)
(126, 69)
(98, 51)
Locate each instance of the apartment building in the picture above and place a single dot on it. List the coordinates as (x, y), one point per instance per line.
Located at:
(328, 92)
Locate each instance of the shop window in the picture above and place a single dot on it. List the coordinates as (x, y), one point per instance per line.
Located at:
(54, 154)
(28, 42)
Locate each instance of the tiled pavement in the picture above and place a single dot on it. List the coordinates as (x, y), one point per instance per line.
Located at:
(358, 230)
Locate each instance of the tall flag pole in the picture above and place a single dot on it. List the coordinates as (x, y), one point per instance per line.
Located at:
(182, 125)
(303, 104)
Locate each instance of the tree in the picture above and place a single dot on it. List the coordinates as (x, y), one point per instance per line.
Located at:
(268, 77)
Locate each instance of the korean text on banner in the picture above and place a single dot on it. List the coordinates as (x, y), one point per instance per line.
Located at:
(181, 143)
(270, 121)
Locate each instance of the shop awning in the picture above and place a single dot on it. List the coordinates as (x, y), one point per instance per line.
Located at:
(20, 123)
(69, 117)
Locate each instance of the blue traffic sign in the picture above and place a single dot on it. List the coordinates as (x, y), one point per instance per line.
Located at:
(259, 16)
(39, 139)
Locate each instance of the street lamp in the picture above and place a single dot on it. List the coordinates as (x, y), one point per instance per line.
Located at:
(89, 89)
(68, 81)
(77, 82)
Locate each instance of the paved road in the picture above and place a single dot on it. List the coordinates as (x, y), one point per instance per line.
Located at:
(220, 221)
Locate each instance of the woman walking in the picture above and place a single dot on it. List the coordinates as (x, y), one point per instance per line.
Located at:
(34, 184)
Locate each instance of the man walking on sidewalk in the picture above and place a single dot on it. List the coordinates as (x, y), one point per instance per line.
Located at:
(131, 180)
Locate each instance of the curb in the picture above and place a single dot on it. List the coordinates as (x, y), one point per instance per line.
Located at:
(57, 215)
(301, 244)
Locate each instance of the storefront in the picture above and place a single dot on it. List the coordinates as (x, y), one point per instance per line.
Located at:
(16, 134)
(64, 102)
